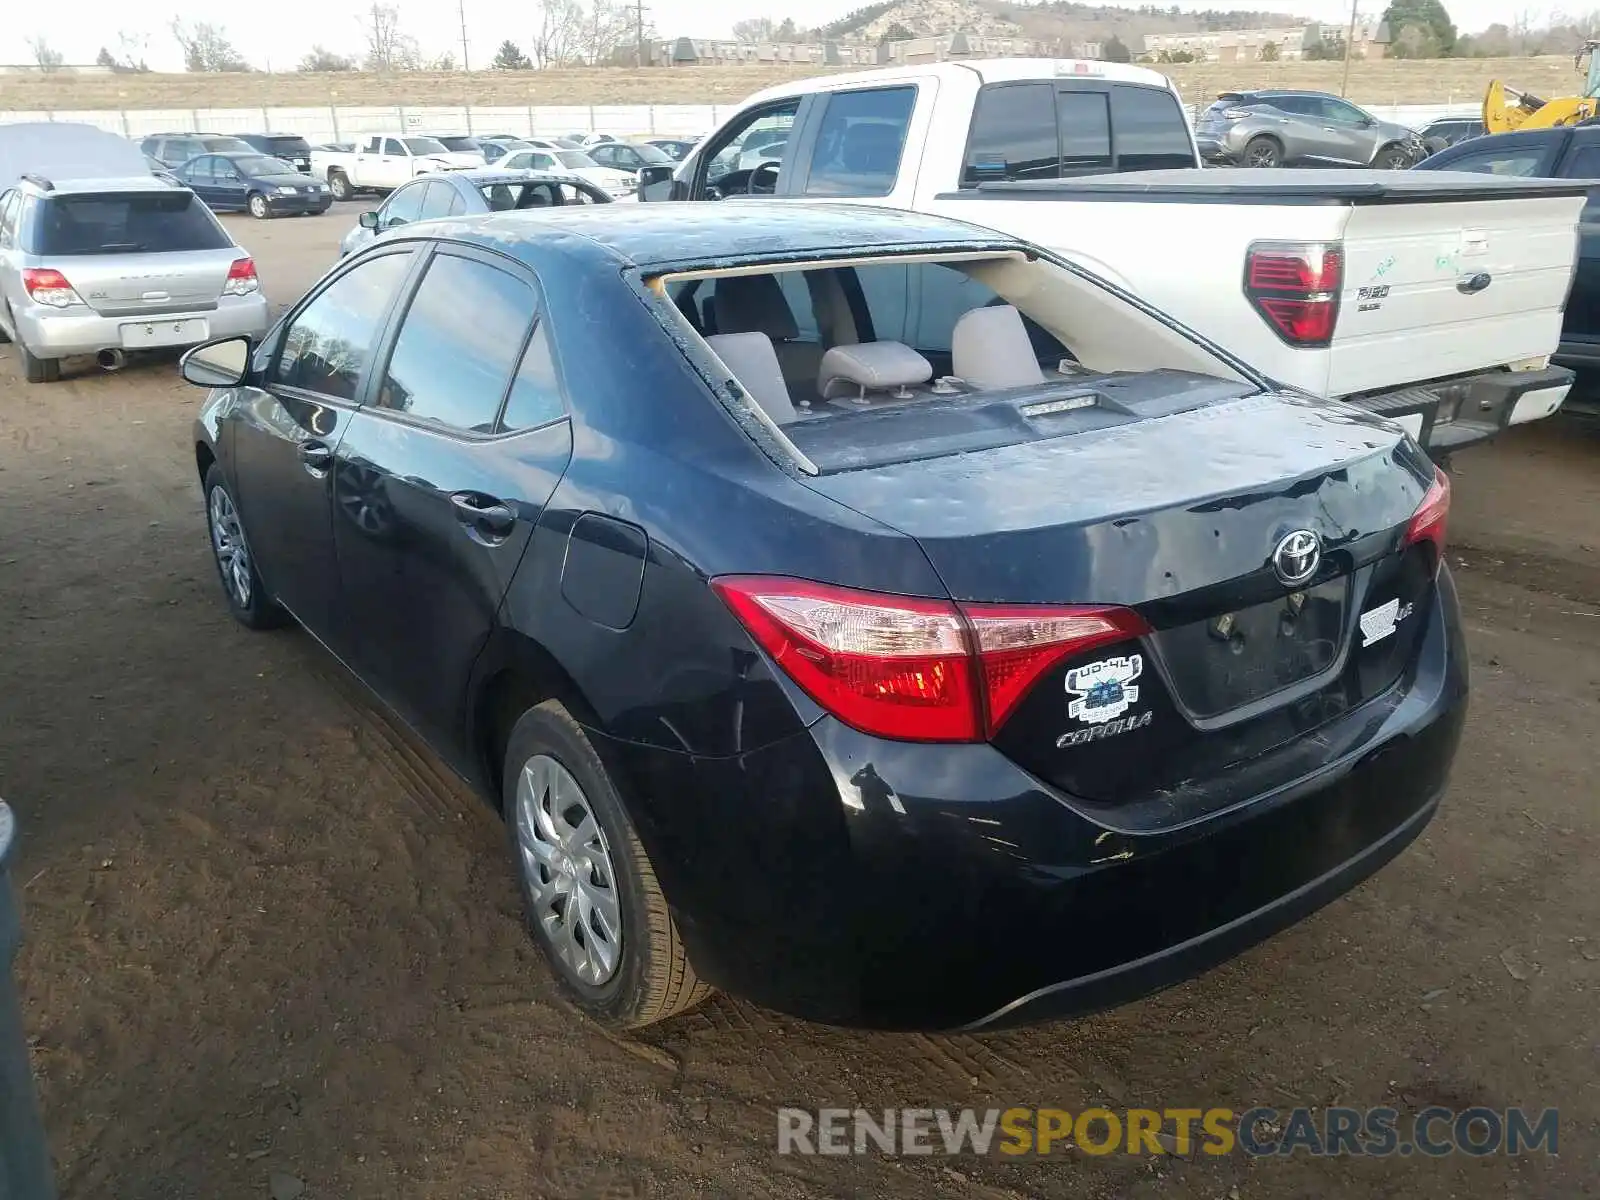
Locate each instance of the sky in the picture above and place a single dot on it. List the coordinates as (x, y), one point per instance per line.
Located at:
(275, 35)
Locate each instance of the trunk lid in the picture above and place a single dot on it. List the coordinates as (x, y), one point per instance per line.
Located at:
(1444, 288)
(136, 253)
(1178, 515)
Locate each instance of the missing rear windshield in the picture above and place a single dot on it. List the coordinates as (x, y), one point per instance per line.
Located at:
(875, 360)
(133, 223)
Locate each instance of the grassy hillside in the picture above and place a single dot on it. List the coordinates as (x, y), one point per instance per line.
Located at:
(1447, 81)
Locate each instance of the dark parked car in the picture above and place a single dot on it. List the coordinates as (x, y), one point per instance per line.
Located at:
(290, 147)
(1288, 128)
(813, 591)
(1564, 152)
(1447, 131)
(175, 149)
(629, 156)
(677, 149)
(264, 187)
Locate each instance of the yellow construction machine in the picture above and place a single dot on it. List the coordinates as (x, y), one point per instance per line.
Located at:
(1505, 108)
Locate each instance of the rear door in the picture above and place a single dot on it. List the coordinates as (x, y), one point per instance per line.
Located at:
(232, 188)
(286, 431)
(1581, 160)
(442, 475)
(135, 254)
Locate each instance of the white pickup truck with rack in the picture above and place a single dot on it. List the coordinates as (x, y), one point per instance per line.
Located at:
(384, 161)
(1430, 297)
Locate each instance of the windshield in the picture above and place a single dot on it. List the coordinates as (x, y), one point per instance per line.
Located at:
(226, 145)
(297, 147)
(260, 164)
(425, 146)
(576, 159)
(460, 143)
(654, 155)
(124, 223)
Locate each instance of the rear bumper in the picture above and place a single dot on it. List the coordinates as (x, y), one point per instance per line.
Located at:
(1450, 414)
(847, 879)
(1213, 151)
(60, 335)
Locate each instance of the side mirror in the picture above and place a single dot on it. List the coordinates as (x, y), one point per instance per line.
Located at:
(222, 363)
(655, 173)
(368, 220)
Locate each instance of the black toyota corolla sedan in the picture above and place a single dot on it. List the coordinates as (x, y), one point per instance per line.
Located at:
(866, 613)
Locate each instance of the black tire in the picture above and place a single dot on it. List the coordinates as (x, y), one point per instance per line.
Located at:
(1263, 151)
(250, 604)
(38, 370)
(1392, 158)
(339, 185)
(652, 979)
(257, 205)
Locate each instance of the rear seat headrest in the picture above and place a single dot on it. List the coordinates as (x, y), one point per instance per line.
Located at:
(990, 348)
(754, 364)
(753, 304)
(870, 366)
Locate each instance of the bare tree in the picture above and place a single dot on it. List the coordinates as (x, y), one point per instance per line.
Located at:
(49, 59)
(753, 29)
(607, 25)
(206, 47)
(560, 33)
(132, 49)
(389, 48)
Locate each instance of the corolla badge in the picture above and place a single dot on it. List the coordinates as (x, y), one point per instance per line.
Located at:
(1297, 556)
(1105, 689)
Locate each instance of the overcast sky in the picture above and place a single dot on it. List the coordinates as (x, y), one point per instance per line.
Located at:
(279, 32)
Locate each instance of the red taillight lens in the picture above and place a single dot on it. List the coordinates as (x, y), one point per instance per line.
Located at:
(910, 668)
(47, 286)
(1295, 287)
(1429, 521)
(242, 278)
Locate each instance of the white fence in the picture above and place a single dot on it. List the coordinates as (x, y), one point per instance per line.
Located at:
(348, 124)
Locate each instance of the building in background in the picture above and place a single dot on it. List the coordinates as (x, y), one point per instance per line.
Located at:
(1246, 45)
(703, 52)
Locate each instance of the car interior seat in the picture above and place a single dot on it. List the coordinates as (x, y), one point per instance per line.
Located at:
(756, 304)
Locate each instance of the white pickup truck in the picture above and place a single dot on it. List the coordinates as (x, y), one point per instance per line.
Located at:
(385, 161)
(1431, 297)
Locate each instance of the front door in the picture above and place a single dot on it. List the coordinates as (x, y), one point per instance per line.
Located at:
(285, 433)
(1350, 139)
(394, 165)
(441, 478)
(231, 189)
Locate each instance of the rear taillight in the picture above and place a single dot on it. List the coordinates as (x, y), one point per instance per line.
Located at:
(1429, 521)
(910, 668)
(241, 278)
(1236, 114)
(1295, 288)
(49, 287)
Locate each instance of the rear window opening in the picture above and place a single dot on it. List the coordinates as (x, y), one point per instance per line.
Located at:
(290, 147)
(880, 359)
(123, 223)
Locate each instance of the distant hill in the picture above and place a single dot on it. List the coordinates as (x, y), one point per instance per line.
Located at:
(1047, 21)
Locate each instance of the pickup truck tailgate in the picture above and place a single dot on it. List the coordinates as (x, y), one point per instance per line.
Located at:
(1446, 286)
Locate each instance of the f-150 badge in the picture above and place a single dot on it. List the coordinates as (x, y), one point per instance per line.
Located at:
(1103, 690)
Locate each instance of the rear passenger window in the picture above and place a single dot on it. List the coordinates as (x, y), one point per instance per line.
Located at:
(328, 345)
(1013, 135)
(1521, 161)
(1152, 134)
(860, 141)
(920, 303)
(536, 391)
(1585, 164)
(1085, 131)
(458, 344)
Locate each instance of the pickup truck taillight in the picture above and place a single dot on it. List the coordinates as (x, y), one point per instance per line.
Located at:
(1295, 288)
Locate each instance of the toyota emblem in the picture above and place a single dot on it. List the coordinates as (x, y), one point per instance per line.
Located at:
(1297, 556)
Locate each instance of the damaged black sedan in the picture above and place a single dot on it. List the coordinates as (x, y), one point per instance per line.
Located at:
(865, 613)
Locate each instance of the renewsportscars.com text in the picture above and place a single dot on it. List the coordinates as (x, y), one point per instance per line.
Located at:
(1378, 1132)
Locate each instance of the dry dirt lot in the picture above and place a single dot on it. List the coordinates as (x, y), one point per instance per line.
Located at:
(268, 935)
(1440, 81)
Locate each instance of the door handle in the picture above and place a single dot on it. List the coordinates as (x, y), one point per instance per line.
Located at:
(316, 457)
(484, 514)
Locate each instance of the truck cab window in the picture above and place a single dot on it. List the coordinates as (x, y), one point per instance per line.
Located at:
(858, 148)
(746, 159)
(1013, 135)
(1152, 134)
(1085, 132)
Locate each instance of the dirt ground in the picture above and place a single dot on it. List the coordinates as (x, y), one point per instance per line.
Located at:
(1439, 81)
(268, 934)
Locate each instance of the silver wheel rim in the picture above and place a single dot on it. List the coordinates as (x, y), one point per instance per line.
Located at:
(1262, 156)
(227, 539)
(566, 863)
(258, 206)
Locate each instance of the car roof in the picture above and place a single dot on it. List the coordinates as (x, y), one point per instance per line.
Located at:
(990, 70)
(111, 183)
(654, 238)
(481, 175)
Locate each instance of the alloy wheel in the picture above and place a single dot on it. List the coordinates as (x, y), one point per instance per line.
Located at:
(566, 864)
(227, 539)
(1264, 155)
